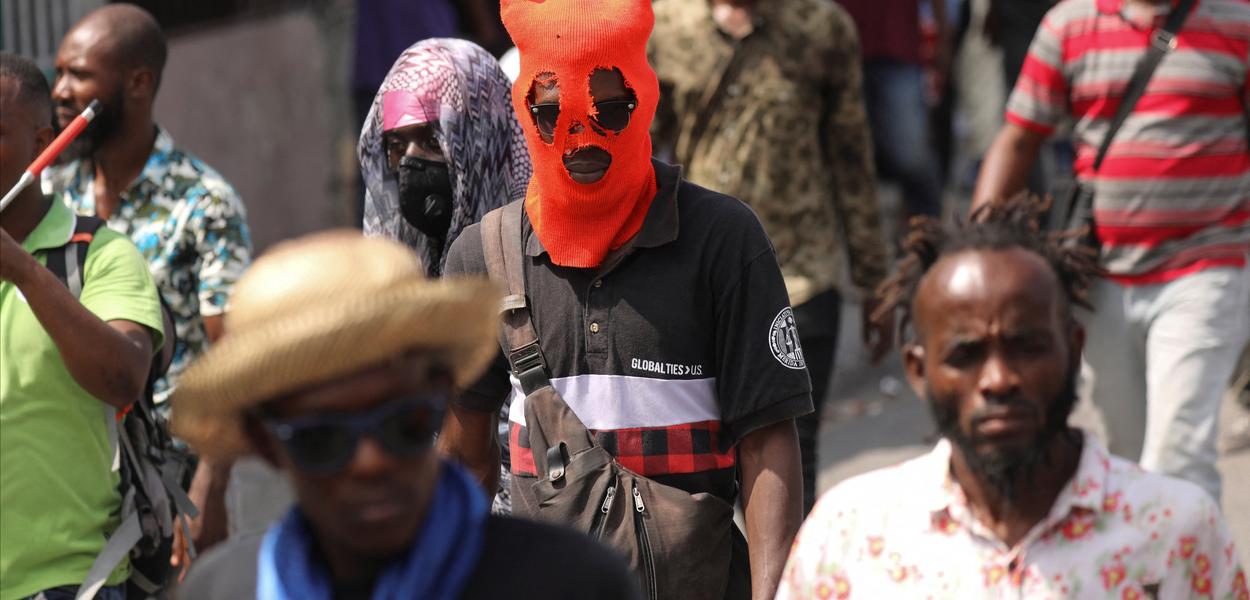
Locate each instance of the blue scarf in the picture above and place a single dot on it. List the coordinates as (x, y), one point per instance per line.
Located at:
(437, 566)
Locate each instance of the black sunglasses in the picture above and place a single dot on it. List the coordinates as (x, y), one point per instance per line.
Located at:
(612, 115)
(327, 443)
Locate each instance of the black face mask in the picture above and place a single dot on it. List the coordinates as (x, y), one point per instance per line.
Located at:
(425, 195)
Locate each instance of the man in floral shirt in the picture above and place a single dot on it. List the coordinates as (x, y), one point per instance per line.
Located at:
(187, 221)
(1012, 502)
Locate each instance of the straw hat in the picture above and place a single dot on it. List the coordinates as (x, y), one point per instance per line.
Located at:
(321, 307)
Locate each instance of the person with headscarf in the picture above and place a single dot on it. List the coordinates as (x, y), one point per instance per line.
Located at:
(440, 148)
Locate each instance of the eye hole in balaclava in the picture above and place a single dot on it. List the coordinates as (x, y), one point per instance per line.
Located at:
(613, 101)
(543, 100)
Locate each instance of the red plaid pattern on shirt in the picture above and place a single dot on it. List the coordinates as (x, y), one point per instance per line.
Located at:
(648, 451)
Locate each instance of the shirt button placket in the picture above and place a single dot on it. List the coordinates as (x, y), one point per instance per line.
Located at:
(596, 313)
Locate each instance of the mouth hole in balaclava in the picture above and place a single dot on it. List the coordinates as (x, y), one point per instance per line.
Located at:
(613, 96)
(544, 102)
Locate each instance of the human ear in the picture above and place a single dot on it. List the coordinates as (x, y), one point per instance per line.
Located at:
(913, 364)
(1076, 342)
(43, 137)
(141, 84)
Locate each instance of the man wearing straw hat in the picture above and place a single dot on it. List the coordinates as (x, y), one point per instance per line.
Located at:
(337, 369)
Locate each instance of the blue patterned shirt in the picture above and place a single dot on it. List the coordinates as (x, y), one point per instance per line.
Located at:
(190, 225)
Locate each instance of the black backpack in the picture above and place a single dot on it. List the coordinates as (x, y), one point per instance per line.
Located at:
(154, 472)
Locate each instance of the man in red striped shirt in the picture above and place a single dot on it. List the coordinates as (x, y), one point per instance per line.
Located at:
(1171, 210)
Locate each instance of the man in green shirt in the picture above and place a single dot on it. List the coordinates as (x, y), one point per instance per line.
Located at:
(67, 365)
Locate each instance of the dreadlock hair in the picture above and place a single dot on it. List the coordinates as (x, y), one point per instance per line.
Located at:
(1012, 223)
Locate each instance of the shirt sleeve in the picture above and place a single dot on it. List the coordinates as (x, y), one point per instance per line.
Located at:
(849, 153)
(1040, 98)
(761, 377)
(224, 246)
(117, 285)
(488, 393)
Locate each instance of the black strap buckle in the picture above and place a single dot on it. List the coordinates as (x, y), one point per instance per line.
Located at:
(1163, 40)
(529, 367)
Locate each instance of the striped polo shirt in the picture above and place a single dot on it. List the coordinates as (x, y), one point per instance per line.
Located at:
(1173, 195)
(668, 355)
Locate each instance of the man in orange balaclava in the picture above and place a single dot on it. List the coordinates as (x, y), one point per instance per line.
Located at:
(662, 320)
(590, 96)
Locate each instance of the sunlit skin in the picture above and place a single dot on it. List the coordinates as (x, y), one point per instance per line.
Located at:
(995, 342)
(85, 70)
(24, 133)
(419, 140)
(366, 514)
(589, 164)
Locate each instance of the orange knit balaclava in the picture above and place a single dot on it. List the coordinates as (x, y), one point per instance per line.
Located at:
(568, 40)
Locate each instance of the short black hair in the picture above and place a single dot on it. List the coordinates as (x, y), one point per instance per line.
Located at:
(1016, 222)
(133, 37)
(32, 85)
(142, 44)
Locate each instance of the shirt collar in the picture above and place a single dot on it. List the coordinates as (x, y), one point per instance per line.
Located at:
(154, 170)
(54, 229)
(1087, 488)
(660, 225)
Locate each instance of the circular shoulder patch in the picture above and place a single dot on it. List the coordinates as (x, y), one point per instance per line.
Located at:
(783, 340)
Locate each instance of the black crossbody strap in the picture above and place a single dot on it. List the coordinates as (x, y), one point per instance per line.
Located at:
(68, 262)
(503, 249)
(1161, 42)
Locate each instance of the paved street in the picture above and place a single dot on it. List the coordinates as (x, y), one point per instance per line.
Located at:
(869, 427)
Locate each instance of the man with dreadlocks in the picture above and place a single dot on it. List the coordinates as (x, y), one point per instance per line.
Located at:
(1012, 502)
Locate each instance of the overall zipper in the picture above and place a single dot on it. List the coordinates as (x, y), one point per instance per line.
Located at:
(601, 519)
(644, 543)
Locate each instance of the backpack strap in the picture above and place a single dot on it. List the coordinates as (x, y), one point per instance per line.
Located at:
(503, 249)
(67, 262)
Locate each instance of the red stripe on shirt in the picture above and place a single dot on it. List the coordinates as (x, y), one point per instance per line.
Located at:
(1030, 125)
(1149, 237)
(1166, 275)
(1125, 38)
(1162, 105)
(1173, 167)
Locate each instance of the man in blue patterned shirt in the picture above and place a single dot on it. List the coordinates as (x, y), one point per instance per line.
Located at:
(187, 221)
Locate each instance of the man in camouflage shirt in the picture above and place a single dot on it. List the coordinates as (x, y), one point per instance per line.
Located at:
(187, 221)
(763, 101)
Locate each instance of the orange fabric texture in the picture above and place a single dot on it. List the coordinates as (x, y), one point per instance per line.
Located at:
(577, 223)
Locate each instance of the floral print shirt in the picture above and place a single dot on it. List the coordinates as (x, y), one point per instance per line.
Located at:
(191, 227)
(1115, 531)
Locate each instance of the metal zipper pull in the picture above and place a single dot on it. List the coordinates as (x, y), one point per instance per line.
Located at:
(638, 505)
(607, 500)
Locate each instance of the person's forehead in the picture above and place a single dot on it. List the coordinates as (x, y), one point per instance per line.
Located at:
(92, 43)
(1012, 285)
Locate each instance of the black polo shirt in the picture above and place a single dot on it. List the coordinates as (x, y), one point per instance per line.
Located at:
(671, 351)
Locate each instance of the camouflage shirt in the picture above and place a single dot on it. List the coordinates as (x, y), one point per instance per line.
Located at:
(191, 227)
(777, 120)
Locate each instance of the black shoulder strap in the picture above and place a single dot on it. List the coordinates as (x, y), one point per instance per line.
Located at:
(503, 249)
(67, 262)
(1161, 42)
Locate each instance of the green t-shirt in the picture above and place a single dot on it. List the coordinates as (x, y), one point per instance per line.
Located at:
(58, 489)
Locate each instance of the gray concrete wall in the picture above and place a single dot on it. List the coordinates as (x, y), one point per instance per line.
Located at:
(264, 102)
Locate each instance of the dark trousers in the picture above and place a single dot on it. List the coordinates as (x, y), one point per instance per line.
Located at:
(817, 321)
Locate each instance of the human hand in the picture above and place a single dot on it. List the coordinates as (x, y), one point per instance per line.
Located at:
(878, 335)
